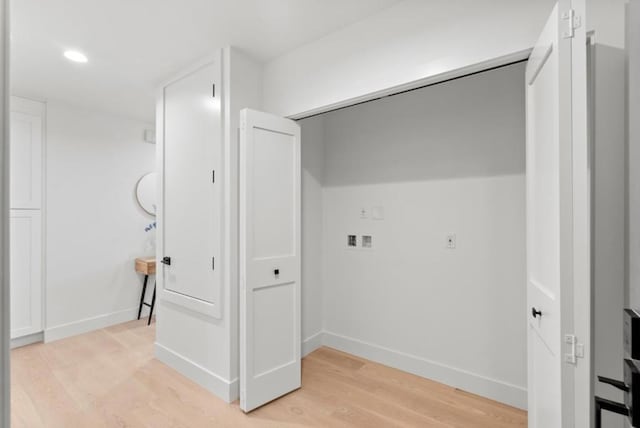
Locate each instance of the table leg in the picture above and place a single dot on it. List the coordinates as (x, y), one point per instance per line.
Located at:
(153, 303)
(144, 290)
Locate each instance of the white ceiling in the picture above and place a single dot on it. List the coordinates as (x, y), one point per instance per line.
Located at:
(133, 45)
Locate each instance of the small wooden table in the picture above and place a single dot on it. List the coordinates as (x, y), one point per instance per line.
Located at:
(146, 266)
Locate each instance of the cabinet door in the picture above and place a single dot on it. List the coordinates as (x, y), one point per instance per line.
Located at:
(270, 238)
(26, 160)
(190, 211)
(26, 273)
(558, 216)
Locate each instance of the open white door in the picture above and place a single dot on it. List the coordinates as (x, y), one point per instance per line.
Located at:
(269, 258)
(558, 218)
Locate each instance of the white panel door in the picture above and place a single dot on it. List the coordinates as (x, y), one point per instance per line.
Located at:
(26, 274)
(191, 210)
(269, 258)
(557, 172)
(25, 160)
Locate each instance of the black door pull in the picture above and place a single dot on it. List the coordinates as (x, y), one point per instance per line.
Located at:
(535, 313)
(166, 261)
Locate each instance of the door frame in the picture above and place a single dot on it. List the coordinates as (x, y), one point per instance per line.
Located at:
(582, 310)
(465, 71)
(5, 336)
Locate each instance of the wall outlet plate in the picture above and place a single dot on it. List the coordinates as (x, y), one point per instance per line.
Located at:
(451, 241)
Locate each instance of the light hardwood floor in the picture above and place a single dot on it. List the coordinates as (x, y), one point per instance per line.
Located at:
(109, 378)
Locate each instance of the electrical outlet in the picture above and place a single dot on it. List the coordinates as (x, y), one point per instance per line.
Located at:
(367, 241)
(451, 242)
(352, 241)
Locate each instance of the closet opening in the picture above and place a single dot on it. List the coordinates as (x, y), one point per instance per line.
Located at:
(414, 231)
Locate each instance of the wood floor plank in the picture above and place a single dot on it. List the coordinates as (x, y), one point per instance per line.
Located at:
(109, 378)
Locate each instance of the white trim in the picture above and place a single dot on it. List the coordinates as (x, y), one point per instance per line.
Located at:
(5, 395)
(89, 324)
(226, 390)
(204, 61)
(28, 106)
(43, 214)
(494, 389)
(430, 80)
(312, 343)
(30, 339)
(583, 219)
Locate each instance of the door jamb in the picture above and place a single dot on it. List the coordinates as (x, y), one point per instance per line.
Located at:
(5, 403)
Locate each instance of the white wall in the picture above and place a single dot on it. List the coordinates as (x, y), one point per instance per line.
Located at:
(94, 226)
(410, 41)
(415, 40)
(609, 221)
(245, 91)
(441, 160)
(633, 154)
(607, 19)
(633, 151)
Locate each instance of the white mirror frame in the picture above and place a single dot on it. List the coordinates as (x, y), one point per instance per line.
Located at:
(146, 192)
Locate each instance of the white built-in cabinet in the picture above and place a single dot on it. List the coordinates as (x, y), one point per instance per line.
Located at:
(25, 218)
(190, 211)
(26, 158)
(26, 272)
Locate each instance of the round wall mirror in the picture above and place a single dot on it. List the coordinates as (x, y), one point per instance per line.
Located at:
(146, 192)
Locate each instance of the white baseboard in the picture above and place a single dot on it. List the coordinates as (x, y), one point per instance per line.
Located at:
(312, 343)
(222, 388)
(27, 340)
(89, 324)
(497, 390)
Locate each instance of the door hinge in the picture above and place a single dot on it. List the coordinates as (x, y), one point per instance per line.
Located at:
(576, 349)
(571, 23)
(213, 176)
(213, 90)
(213, 263)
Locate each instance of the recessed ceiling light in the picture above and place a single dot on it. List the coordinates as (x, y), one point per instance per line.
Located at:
(75, 56)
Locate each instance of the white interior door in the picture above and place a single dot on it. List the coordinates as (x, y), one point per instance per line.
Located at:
(557, 173)
(190, 214)
(26, 272)
(269, 258)
(26, 160)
